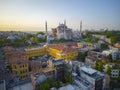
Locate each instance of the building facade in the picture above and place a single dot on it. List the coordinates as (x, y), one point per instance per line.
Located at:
(35, 66)
(20, 68)
(92, 76)
(58, 65)
(13, 54)
(35, 51)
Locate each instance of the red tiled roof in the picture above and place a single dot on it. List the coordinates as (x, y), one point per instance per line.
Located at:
(63, 48)
(19, 61)
(117, 45)
(73, 44)
(8, 48)
(34, 64)
(16, 53)
(47, 69)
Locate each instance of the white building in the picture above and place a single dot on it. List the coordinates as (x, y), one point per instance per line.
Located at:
(99, 36)
(67, 87)
(76, 34)
(92, 76)
(83, 84)
(114, 55)
(115, 73)
(114, 70)
(106, 52)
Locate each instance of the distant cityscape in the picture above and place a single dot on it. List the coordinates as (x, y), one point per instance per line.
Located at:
(60, 60)
(59, 44)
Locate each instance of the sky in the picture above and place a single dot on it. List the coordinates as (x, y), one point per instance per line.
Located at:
(30, 15)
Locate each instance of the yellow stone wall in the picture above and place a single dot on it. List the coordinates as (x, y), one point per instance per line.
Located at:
(20, 70)
(60, 54)
(36, 52)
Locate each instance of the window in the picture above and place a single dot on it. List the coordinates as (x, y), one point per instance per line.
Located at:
(20, 66)
(16, 72)
(20, 72)
(15, 66)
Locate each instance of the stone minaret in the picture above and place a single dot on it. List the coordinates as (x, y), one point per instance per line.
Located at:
(64, 29)
(81, 27)
(46, 27)
(65, 23)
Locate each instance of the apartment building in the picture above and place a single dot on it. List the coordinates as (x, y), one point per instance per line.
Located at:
(20, 68)
(58, 65)
(92, 76)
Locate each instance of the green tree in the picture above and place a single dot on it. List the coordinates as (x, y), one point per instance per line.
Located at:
(48, 84)
(110, 57)
(44, 86)
(108, 71)
(40, 33)
(99, 66)
(81, 57)
(68, 78)
(52, 82)
(27, 36)
(113, 39)
(104, 46)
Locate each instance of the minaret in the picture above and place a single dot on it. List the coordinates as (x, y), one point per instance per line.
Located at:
(64, 22)
(46, 27)
(64, 29)
(81, 27)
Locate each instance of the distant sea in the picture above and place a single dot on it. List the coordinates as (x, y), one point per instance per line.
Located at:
(32, 32)
(27, 31)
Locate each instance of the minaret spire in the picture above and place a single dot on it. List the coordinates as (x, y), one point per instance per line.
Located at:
(64, 25)
(81, 27)
(65, 22)
(46, 27)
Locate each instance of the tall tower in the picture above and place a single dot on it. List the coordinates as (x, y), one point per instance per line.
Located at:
(64, 25)
(64, 29)
(46, 27)
(64, 22)
(81, 27)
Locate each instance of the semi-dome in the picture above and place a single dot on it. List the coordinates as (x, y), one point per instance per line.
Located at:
(62, 26)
